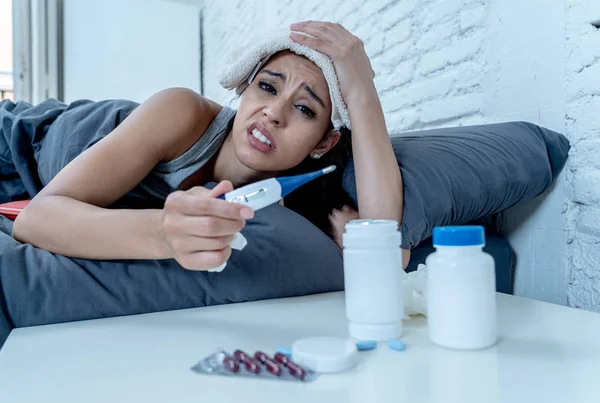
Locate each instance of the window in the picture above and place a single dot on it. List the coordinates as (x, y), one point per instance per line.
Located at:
(63, 49)
(6, 51)
(35, 40)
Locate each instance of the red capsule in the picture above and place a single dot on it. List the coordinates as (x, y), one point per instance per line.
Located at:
(252, 366)
(230, 364)
(282, 358)
(271, 365)
(248, 362)
(295, 369)
(239, 355)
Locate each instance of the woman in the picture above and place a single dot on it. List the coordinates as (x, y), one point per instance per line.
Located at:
(278, 125)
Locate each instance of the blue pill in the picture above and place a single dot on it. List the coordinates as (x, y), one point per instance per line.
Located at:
(366, 345)
(396, 344)
(284, 350)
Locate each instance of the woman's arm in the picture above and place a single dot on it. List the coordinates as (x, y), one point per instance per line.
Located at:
(379, 185)
(378, 179)
(68, 216)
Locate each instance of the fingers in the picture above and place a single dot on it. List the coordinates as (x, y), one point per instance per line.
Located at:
(205, 260)
(201, 226)
(328, 38)
(198, 228)
(192, 244)
(329, 31)
(349, 212)
(198, 203)
(222, 188)
(320, 30)
(315, 43)
(210, 226)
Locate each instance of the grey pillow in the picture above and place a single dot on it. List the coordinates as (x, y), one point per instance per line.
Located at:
(454, 176)
(286, 256)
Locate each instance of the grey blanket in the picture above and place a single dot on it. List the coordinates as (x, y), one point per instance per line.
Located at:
(286, 255)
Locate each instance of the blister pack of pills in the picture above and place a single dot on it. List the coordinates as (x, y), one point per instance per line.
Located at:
(261, 365)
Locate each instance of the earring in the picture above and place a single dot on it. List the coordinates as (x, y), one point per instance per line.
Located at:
(316, 156)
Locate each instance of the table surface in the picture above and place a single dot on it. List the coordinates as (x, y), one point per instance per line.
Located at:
(545, 353)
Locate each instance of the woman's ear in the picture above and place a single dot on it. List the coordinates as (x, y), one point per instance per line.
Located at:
(329, 140)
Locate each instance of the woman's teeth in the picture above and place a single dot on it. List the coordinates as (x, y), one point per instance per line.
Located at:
(257, 134)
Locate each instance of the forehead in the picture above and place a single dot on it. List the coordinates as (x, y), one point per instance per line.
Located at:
(297, 67)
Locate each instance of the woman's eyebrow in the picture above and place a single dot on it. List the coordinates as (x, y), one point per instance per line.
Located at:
(306, 87)
(315, 96)
(274, 74)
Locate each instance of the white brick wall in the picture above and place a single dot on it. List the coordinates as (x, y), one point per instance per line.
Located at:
(424, 52)
(525, 80)
(583, 173)
(453, 62)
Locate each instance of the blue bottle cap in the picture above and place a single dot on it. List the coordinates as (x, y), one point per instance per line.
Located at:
(463, 235)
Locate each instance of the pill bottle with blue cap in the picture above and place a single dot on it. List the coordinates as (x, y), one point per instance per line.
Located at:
(461, 289)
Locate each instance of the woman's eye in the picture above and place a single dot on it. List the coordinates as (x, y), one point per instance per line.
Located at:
(307, 111)
(267, 88)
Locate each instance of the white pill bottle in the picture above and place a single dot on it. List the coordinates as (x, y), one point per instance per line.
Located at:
(461, 289)
(373, 278)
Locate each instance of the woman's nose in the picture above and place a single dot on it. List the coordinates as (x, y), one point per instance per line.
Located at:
(275, 114)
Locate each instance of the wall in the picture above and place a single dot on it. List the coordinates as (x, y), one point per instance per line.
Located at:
(583, 173)
(404, 39)
(129, 49)
(525, 80)
(450, 62)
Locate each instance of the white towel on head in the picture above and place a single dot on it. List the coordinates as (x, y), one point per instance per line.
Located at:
(243, 63)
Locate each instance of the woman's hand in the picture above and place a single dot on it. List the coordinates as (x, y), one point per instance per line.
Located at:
(347, 52)
(338, 220)
(196, 228)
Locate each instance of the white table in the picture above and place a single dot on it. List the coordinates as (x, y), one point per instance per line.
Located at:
(547, 353)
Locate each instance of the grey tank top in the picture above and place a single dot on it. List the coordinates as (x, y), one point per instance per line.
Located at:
(167, 176)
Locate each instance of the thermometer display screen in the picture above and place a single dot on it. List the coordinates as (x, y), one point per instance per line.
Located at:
(257, 194)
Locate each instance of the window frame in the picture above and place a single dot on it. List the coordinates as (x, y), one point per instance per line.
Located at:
(37, 50)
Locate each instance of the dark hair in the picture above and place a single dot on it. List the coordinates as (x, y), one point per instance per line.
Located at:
(316, 200)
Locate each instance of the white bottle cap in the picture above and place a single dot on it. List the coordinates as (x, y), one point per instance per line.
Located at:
(325, 354)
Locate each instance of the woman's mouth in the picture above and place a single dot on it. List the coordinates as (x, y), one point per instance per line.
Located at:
(259, 141)
(257, 134)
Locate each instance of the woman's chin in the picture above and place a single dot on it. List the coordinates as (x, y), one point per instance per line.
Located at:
(262, 162)
(258, 163)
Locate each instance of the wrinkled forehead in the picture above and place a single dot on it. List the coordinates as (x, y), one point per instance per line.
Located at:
(299, 69)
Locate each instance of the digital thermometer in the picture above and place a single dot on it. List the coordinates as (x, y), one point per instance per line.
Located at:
(266, 192)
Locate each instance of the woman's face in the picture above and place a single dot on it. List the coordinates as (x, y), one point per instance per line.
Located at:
(284, 115)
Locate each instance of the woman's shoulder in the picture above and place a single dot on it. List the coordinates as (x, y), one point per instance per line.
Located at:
(190, 111)
(186, 105)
